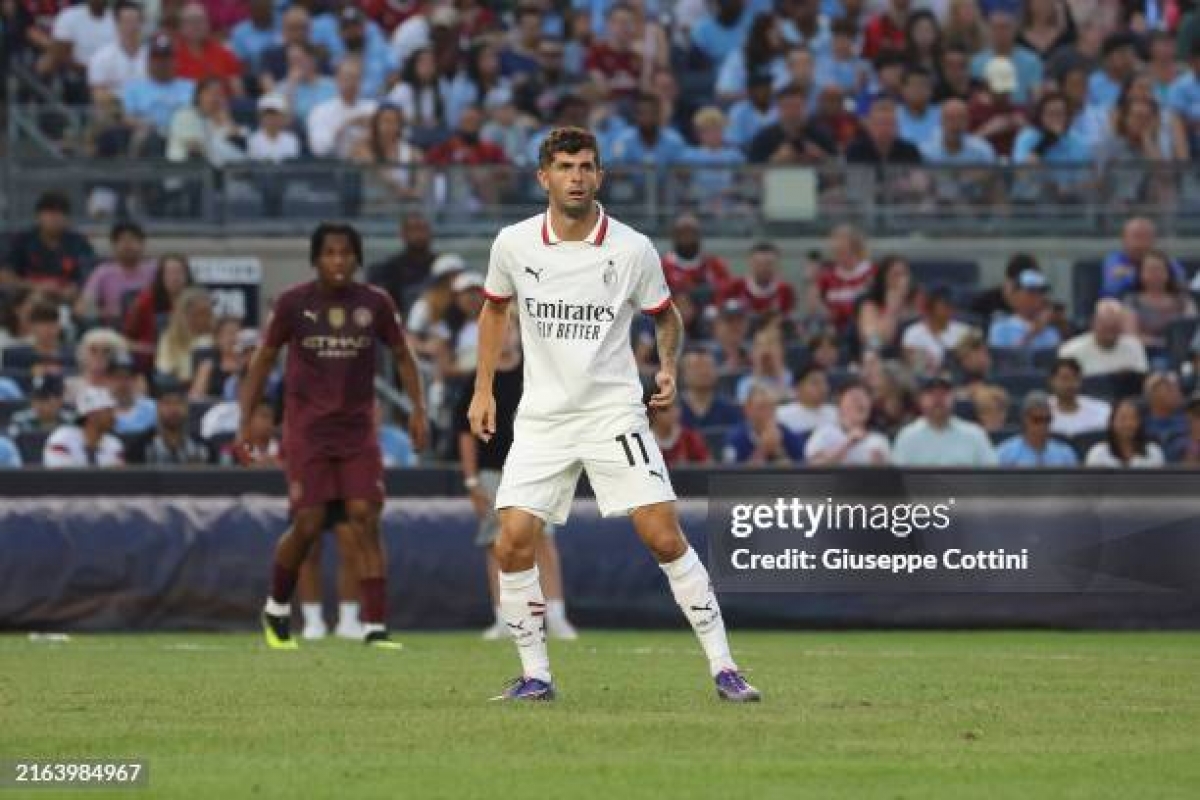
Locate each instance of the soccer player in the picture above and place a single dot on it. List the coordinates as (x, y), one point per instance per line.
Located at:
(332, 327)
(577, 277)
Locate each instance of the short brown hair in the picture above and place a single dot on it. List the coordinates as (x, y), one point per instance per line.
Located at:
(568, 140)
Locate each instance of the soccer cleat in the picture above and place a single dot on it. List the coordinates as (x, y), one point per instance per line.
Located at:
(314, 631)
(560, 628)
(497, 632)
(278, 632)
(732, 686)
(349, 629)
(381, 641)
(528, 689)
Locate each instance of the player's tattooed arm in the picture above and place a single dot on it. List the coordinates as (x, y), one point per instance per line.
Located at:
(410, 379)
(668, 332)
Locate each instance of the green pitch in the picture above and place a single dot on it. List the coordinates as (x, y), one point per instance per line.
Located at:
(855, 715)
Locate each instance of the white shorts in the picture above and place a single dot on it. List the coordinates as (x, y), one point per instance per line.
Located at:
(626, 472)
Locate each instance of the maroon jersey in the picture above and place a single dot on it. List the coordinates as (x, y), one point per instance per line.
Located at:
(684, 275)
(840, 290)
(329, 382)
(777, 296)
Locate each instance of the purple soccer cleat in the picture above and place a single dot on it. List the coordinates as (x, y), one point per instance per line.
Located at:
(530, 689)
(732, 686)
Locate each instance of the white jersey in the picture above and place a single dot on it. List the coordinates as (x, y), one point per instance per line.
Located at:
(576, 302)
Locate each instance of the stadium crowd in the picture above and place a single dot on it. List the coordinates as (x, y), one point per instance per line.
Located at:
(393, 85)
(869, 360)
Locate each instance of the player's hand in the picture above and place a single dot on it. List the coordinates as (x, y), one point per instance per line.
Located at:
(243, 451)
(665, 396)
(418, 429)
(482, 416)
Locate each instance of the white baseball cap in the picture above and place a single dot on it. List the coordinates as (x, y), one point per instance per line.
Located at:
(447, 264)
(273, 102)
(1000, 74)
(466, 280)
(94, 398)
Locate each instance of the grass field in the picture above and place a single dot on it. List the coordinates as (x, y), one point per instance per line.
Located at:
(856, 715)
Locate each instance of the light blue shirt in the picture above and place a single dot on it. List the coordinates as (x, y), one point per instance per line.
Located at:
(9, 390)
(973, 150)
(733, 78)
(1103, 91)
(667, 150)
(958, 444)
(396, 446)
(1016, 452)
(919, 130)
(844, 74)
(248, 42)
(745, 121)
(716, 170)
(1009, 331)
(718, 42)
(1068, 149)
(819, 44)
(326, 32)
(10, 456)
(308, 96)
(141, 417)
(156, 102)
(1029, 71)
(1184, 97)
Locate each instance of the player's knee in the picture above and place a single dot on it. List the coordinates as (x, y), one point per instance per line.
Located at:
(658, 528)
(309, 524)
(515, 545)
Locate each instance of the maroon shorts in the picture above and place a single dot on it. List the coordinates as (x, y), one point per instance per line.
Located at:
(315, 479)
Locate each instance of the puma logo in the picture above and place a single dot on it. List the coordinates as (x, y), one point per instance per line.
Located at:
(536, 273)
(516, 626)
(659, 475)
(311, 316)
(706, 607)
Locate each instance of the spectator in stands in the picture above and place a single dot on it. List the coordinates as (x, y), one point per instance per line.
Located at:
(419, 94)
(848, 440)
(994, 113)
(253, 36)
(964, 28)
(845, 279)
(955, 81)
(1184, 95)
(1107, 348)
(998, 300)
(539, 92)
(50, 255)
(199, 54)
(95, 354)
(1046, 25)
(613, 62)
(762, 55)
(832, 120)
(824, 349)
(460, 322)
(45, 412)
(371, 51)
(763, 290)
(687, 267)
(1074, 413)
(44, 339)
(648, 142)
(951, 145)
(113, 284)
(721, 32)
(1137, 136)
(926, 342)
(972, 364)
(760, 439)
(117, 63)
(918, 119)
(90, 443)
(893, 301)
(880, 145)
(701, 406)
(151, 102)
(885, 31)
(492, 176)
(394, 162)
(890, 385)
(679, 444)
(1157, 299)
(1127, 444)
(768, 366)
(990, 407)
(10, 456)
(1118, 64)
(1120, 270)
(432, 307)
(151, 309)
(274, 63)
(168, 442)
(506, 127)
(713, 164)
(1034, 447)
(1002, 42)
(923, 43)
(841, 65)
(79, 33)
(939, 438)
(1162, 67)
(1165, 420)
(791, 139)
(336, 125)
(226, 360)
(731, 331)
(189, 330)
(810, 407)
(1029, 327)
(403, 274)
(135, 412)
(302, 85)
(1186, 450)
(206, 130)
(1048, 140)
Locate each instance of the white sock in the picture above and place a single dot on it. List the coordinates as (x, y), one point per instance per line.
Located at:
(277, 609)
(523, 608)
(348, 613)
(556, 610)
(693, 592)
(312, 614)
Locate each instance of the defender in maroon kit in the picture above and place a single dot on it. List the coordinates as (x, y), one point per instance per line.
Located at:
(332, 327)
